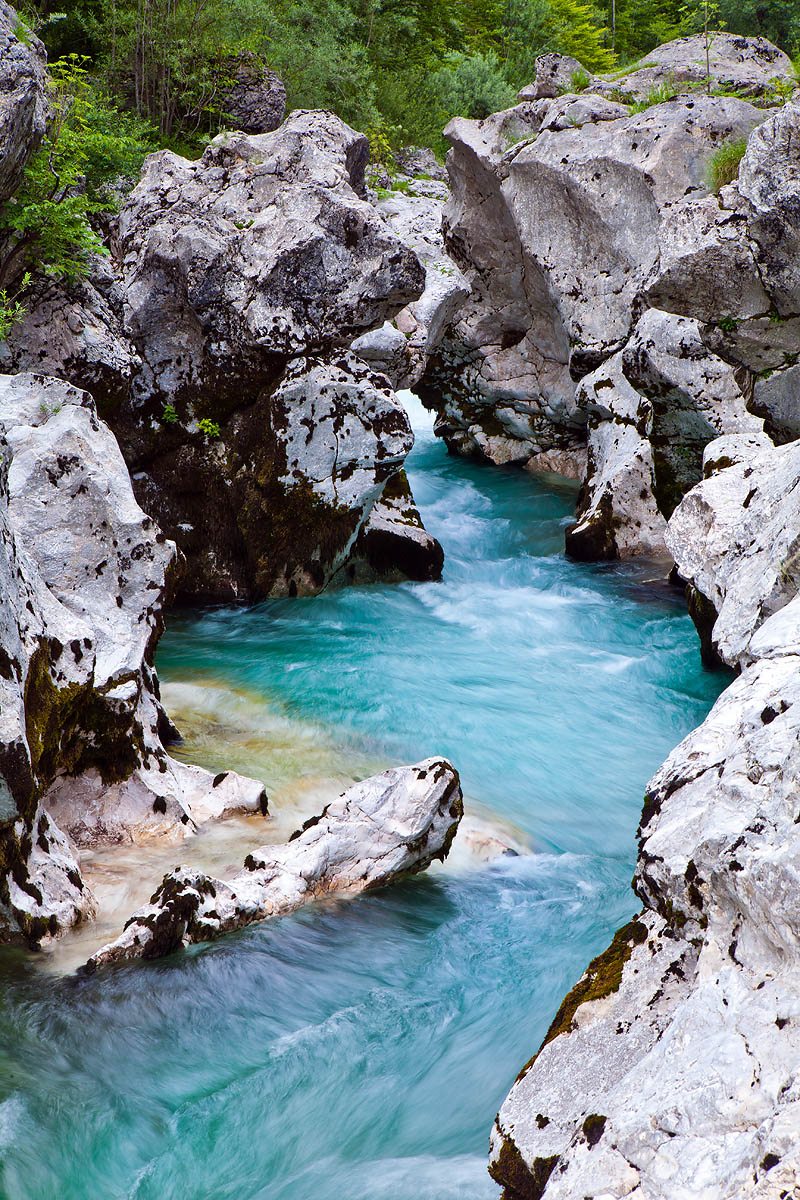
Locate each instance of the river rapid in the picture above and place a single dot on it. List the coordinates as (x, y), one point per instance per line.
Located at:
(359, 1049)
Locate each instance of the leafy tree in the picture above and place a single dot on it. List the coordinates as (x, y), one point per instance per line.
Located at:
(472, 85)
(47, 224)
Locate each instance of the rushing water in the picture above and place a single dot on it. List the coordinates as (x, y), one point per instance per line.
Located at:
(359, 1050)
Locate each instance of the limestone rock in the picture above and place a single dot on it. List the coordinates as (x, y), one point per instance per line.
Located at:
(23, 98)
(403, 347)
(692, 395)
(390, 825)
(555, 73)
(226, 274)
(419, 162)
(256, 100)
(85, 576)
(557, 228)
(749, 65)
(617, 514)
(730, 262)
(394, 539)
(736, 540)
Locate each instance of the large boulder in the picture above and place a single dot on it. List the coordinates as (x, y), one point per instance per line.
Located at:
(23, 98)
(730, 262)
(750, 66)
(402, 347)
(736, 541)
(82, 730)
(557, 228)
(255, 101)
(380, 830)
(214, 342)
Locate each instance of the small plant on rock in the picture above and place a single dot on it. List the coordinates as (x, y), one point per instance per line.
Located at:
(579, 80)
(723, 166)
(169, 416)
(209, 428)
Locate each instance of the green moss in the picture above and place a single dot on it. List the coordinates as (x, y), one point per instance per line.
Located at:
(520, 1181)
(601, 978)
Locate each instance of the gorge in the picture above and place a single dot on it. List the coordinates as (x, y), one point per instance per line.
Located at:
(211, 416)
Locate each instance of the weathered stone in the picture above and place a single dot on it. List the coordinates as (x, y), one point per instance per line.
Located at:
(736, 539)
(85, 576)
(402, 348)
(555, 73)
(23, 98)
(557, 236)
(256, 100)
(389, 826)
(617, 514)
(749, 65)
(229, 273)
(395, 540)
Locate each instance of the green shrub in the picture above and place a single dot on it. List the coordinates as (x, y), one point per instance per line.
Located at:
(209, 428)
(47, 225)
(723, 166)
(579, 80)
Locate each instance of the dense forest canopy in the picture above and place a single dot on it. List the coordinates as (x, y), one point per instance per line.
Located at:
(398, 67)
(130, 76)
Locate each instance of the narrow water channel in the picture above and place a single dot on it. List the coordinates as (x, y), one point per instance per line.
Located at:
(359, 1050)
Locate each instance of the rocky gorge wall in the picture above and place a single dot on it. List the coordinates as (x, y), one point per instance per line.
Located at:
(672, 1070)
(567, 217)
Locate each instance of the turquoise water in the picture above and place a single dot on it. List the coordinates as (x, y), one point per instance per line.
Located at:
(359, 1050)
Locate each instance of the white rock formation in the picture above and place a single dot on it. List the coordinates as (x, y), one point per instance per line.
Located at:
(555, 220)
(672, 1070)
(388, 826)
(401, 347)
(85, 576)
(226, 273)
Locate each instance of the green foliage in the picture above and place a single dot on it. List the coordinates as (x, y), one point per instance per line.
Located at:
(723, 166)
(169, 416)
(399, 69)
(657, 95)
(11, 308)
(579, 80)
(472, 86)
(47, 224)
(209, 428)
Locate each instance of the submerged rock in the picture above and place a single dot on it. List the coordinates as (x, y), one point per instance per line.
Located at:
(389, 826)
(85, 576)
